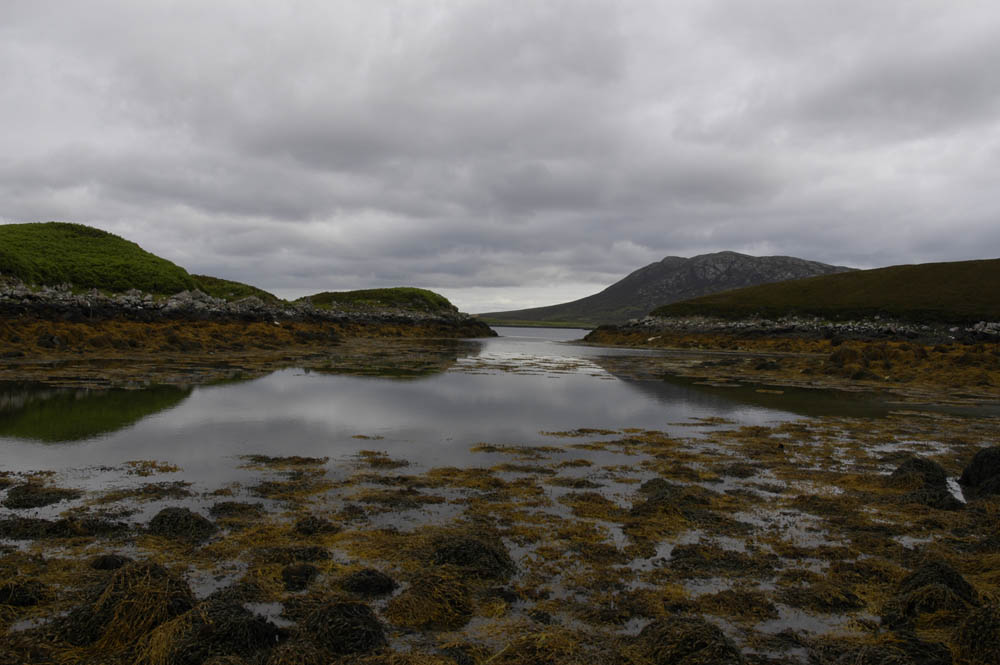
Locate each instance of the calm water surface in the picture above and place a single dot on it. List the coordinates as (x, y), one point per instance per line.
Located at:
(506, 390)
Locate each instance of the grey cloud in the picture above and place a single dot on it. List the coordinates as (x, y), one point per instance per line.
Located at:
(482, 146)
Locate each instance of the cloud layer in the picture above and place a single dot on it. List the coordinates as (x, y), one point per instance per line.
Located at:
(506, 154)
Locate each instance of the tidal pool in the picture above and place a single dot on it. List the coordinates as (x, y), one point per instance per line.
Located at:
(507, 389)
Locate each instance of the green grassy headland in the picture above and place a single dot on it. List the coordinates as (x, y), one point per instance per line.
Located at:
(958, 292)
(403, 297)
(54, 253)
(57, 253)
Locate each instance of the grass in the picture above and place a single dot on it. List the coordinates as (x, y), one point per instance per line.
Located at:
(402, 297)
(230, 290)
(55, 253)
(955, 292)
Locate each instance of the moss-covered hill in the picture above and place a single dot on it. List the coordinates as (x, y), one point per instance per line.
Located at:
(227, 289)
(958, 292)
(402, 297)
(57, 253)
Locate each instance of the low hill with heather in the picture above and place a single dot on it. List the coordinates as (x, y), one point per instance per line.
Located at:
(670, 280)
(401, 297)
(56, 253)
(952, 292)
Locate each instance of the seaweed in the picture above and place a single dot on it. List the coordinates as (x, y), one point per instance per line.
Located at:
(685, 640)
(297, 576)
(368, 582)
(977, 638)
(34, 528)
(437, 599)
(138, 598)
(345, 628)
(36, 495)
(478, 555)
(22, 592)
(236, 510)
(311, 525)
(109, 561)
(181, 524)
(210, 630)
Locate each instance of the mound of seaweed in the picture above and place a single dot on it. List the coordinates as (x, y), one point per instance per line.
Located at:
(437, 599)
(345, 628)
(138, 598)
(686, 640)
(34, 528)
(480, 554)
(978, 636)
(928, 484)
(181, 524)
(935, 591)
(210, 630)
(36, 495)
(368, 582)
(982, 476)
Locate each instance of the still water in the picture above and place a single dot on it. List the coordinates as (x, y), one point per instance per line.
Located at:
(505, 390)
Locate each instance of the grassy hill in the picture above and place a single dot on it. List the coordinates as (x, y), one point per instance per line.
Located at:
(57, 253)
(230, 290)
(402, 297)
(959, 292)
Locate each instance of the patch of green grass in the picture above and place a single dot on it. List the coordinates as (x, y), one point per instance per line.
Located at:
(402, 297)
(55, 253)
(960, 291)
(230, 290)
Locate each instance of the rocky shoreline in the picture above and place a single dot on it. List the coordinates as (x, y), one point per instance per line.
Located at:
(807, 327)
(62, 304)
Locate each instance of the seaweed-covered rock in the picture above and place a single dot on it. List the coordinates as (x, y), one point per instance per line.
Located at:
(297, 576)
(182, 524)
(311, 525)
(892, 649)
(982, 474)
(22, 593)
(933, 589)
(436, 599)
(286, 555)
(138, 598)
(209, 631)
(478, 555)
(236, 510)
(687, 640)
(368, 582)
(345, 628)
(822, 596)
(109, 561)
(917, 472)
(298, 652)
(36, 495)
(35, 528)
(938, 572)
(928, 482)
(977, 638)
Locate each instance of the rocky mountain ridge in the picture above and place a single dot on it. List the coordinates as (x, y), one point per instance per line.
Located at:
(670, 280)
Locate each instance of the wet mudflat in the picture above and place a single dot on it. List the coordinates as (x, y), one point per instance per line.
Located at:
(524, 505)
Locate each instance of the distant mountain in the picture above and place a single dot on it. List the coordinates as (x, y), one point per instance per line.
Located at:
(952, 292)
(670, 280)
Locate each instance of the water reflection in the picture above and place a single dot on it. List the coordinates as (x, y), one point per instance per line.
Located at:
(506, 390)
(54, 415)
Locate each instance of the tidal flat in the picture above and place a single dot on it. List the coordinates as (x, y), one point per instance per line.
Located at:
(517, 500)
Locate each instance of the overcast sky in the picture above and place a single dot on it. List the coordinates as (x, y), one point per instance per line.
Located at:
(509, 153)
